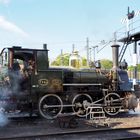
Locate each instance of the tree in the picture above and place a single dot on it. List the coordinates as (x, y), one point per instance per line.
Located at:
(84, 61)
(64, 60)
(106, 64)
(131, 68)
(138, 67)
(61, 60)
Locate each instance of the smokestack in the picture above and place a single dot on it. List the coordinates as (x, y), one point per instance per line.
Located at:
(115, 56)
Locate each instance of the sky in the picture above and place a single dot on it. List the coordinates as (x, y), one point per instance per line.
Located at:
(62, 23)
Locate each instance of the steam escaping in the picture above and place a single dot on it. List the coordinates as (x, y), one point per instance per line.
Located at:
(3, 118)
(3, 104)
(8, 92)
(137, 109)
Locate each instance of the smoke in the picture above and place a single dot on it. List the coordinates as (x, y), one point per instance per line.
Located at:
(6, 98)
(3, 104)
(12, 97)
(15, 78)
(137, 109)
(3, 118)
(8, 91)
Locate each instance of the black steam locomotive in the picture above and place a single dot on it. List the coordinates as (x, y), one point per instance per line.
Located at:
(27, 83)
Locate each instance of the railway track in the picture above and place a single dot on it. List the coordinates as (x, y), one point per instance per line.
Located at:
(100, 134)
(25, 128)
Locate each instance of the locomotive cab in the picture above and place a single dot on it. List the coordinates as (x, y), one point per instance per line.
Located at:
(18, 69)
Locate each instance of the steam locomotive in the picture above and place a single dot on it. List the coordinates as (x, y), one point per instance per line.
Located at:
(27, 83)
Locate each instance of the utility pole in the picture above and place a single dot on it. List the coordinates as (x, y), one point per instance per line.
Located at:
(87, 48)
(135, 64)
(90, 59)
(61, 57)
(130, 15)
(73, 48)
(94, 47)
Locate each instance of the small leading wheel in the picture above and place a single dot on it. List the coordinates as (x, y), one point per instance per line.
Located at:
(78, 104)
(50, 106)
(112, 104)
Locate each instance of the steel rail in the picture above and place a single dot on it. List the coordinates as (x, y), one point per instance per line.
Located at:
(76, 132)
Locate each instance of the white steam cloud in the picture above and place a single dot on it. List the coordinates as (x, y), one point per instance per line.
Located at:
(9, 26)
(3, 118)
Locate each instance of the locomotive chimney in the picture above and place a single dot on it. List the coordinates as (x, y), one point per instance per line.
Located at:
(115, 56)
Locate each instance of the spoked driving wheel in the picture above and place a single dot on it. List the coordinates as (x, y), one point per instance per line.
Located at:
(78, 104)
(50, 106)
(112, 104)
